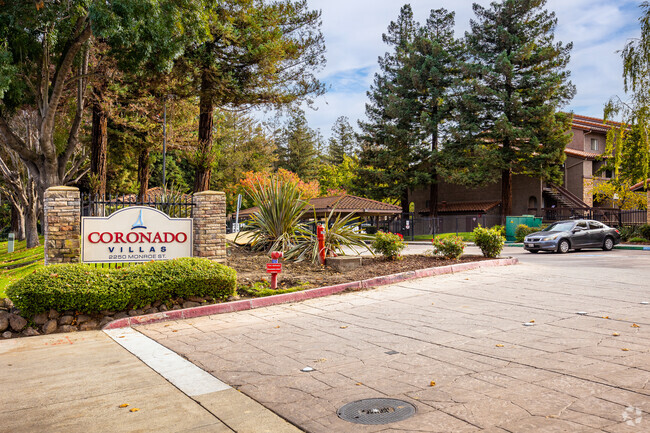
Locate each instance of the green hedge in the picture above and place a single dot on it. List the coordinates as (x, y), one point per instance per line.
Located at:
(87, 289)
(523, 230)
(490, 241)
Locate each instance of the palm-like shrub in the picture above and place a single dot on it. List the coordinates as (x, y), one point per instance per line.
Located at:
(277, 222)
(340, 232)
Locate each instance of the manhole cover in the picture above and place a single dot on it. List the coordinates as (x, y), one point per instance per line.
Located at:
(375, 411)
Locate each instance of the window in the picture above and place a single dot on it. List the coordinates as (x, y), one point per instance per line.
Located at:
(594, 144)
(593, 225)
(608, 174)
(581, 226)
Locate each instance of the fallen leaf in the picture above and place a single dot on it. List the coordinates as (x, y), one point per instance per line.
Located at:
(278, 326)
(531, 321)
(359, 384)
(124, 405)
(634, 325)
(174, 330)
(605, 317)
(616, 334)
(499, 345)
(321, 360)
(135, 409)
(343, 327)
(625, 350)
(432, 383)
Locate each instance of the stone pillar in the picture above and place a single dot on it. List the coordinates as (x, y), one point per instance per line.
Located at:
(209, 213)
(647, 212)
(62, 225)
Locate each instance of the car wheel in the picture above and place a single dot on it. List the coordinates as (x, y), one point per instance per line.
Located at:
(608, 244)
(563, 246)
(533, 251)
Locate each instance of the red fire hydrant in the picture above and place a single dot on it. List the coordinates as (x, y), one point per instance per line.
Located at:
(320, 235)
(274, 268)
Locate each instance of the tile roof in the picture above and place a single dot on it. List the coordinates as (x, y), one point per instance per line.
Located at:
(467, 206)
(342, 203)
(639, 186)
(592, 123)
(581, 154)
(152, 194)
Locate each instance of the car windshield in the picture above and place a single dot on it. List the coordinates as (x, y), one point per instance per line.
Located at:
(559, 227)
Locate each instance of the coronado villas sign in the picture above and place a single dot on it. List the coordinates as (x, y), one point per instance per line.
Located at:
(135, 234)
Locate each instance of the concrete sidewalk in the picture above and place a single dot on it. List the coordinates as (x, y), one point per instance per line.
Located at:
(77, 382)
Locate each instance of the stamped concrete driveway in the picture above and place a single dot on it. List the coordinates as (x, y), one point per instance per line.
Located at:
(566, 372)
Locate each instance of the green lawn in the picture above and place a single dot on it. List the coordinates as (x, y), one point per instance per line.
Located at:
(465, 236)
(14, 266)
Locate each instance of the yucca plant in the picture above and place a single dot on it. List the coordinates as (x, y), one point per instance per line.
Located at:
(340, 232)
(275, 225)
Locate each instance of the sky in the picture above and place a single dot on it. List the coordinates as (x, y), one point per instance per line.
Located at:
(353, 38)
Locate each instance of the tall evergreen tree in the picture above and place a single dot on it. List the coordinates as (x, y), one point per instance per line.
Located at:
(393, 157)
(434, 64)
(342, 142)
(509, 122)
(298, 147)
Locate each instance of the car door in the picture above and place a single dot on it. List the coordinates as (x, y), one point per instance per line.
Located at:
(580, 236)
(596, 233)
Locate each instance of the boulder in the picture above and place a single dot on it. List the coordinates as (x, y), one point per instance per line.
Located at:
(65, 320)
(53, 314)
(30, 332)
(6, 334)
(151, 310)
(196, 299)
(120, 315)
(107, 313)
(41, 318)
(133, 313)
(68, 328)
(17, 323)
(4, 323)
(190, 304)
(105, 321)
(82, 318)
(88, 325)
(49, 327)
(163, 307)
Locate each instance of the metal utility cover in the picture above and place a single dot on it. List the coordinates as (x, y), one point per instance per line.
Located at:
(375, 411)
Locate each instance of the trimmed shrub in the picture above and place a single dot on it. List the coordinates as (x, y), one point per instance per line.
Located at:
(86, 289)
(489, 241)
(628, 232)
(644, 231)
(390, 245)
(637, 239)
(451, 247)
(523, 230)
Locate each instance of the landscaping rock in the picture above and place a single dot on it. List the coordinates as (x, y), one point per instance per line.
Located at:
(4, 323)
(65, 320)
(107, 313)
(7, 303)
(4, 313)
(196, 299)
(30, 332)
(151, 310)
(17, 323)
(68, 328)
(163, 307)
(146, 307)
(120, 315)
(157, 304)
(344, 263)
(53, 314)
(40, 318)
(88, 325)
(190, 304)
(176, 307)
(49, 327)
(132, 313)
(139, 312)
(82, 318)
(105, 321)
(6, 334)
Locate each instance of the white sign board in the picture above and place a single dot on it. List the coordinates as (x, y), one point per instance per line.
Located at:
(135, 234)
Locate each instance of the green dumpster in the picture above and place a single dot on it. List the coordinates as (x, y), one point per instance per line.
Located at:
(513, 221)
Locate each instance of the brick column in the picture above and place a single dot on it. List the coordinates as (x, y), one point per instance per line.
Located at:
(647, 212)
(209, 213)
(588, 192)
(62, 225)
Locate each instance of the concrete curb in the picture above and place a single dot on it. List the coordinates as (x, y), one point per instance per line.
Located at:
(632, 247)
(249, 304)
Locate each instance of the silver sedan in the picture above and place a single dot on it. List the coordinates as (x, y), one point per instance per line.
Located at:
(563, 236)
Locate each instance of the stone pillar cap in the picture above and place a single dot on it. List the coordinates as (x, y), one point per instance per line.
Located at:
(210, 193)
(62, 188)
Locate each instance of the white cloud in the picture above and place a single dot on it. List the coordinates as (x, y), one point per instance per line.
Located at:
(353, 29)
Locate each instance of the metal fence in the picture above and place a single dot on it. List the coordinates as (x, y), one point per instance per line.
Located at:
(410, 225)
(610, 216)
(176, 205)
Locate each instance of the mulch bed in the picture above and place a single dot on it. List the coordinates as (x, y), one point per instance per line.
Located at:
(251, 268)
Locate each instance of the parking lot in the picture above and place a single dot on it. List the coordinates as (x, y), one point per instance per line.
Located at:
(556, 343)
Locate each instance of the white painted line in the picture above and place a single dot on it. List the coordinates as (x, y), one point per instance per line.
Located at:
(186, 376)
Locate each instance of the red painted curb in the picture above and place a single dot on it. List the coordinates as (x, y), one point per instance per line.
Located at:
(248, 304)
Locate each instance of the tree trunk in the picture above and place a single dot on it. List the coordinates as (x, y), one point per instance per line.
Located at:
(31, 225)
(143, 173)
(506, 194)
(99, 149)
(204, 150)
(433, 194)
(17, 222)
(405, 201)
